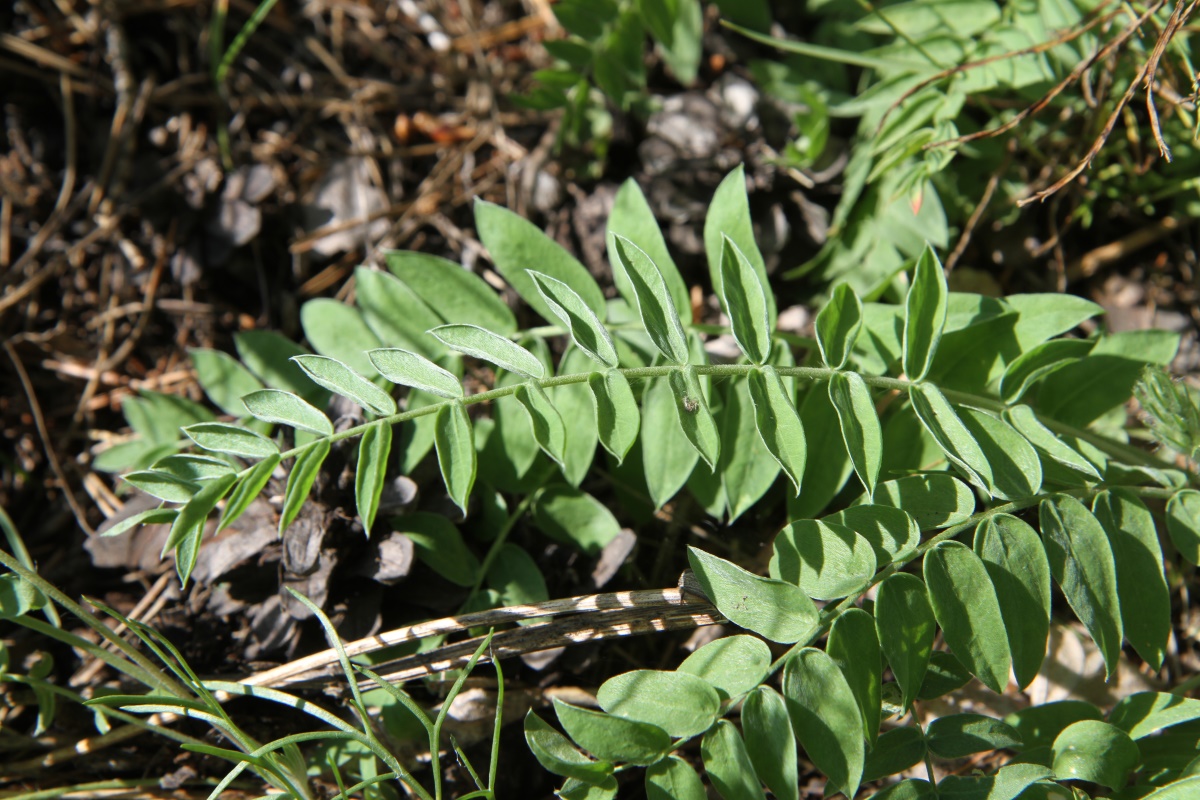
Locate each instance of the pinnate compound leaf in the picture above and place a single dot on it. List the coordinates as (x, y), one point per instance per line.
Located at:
(854, 647)
(617, 415)
(1016, 468)
(187, 528)
(612, 738)
(337, 377)
(1046, 443)
(572, 516)
(1145, 713)
(409, 369)
(548, 429)
(455, 294)
(933, 501)
(1183, 524)
(633, 219)
(1007, 784)
(219, 437)
(284, 408)
(162, 485)
(1015, 560)
(965, 605)
(745, 302)
(670, 459)
(373, 451)
(300, 481)
(455, 452)
(838, 325)
(905, 624)
(958, 735)
(952, 436)
(683, 705)
(248, 489)
(1141, 586)
(588, 333)
(1095, 751)
(224, 379)
(728, 764)
(894, 752)
(827, 561)
(778, 423)
(825, 717)
(860, 425)
(733, 665)
(480, 343)
(729, 215)
(673, 779)
(691, 409)
(771, 743)
(556, 753)
(439, 544)
(659, 315)
(1033, 365)
(774, 609)
(515, 243)
(1081, 561)
(924, 315)
(893, 534)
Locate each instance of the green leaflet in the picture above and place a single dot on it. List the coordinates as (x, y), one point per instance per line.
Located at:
(300, 481)
(924, 315)
(1033, 365)
(965, 605)
(162, 485)
(588, 333)
(771, 743)
(1016, 468)
(733, 665)
(515, 577)
(576, 403)
(678, 29)
(337, 377)
(439, 544)
(395, 313)
(455, 452)
(945, 674)
(1081, 562)
(952, 436)
(673, 779)
(838, 325)
(454, 293)
(854, 647)
(1046, 443)
(578, 790)
(221, 438)
(268, 355)
(958, 735)
(861, 432)
(515, 243)
(1042, 316)
(672, 458)
(414, 439)
(480, 343)
(893, 534)
(827, 561)
(548, 429)
(193, 468)
(824, 476)
(574, 517)
(224, 379)
(771, 608)
(1141, 587)
(339, 331)
(778, 423)
(894, 752)
(659, 315)
(556, 753)
(746, 470)
(1097, 752)
(1007, 784)
(617, 415)
(745, 303)
(633, 219)
(1038, 726)
(691, 409)
(410, 369)
(909, 789)
(612, 738)
(373, 451)
(1145, 713)
(248, 489)
(148, 517)
(1183, 524)
(729, 215)
(683, 705)
(825, 717)
(728, 764)
(187, 528)
(905, 624)
(1183, 789)
(284, 408)
(934, 500)
(1015, 560)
